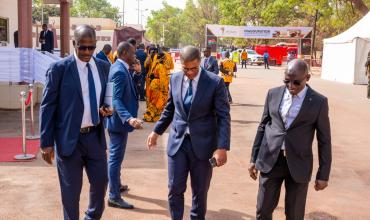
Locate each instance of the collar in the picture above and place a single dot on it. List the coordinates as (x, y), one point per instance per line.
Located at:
(301, 94)
(124, 63)
(81, 63)
(196, 79)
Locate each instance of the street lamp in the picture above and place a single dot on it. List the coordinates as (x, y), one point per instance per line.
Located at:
(138, 11)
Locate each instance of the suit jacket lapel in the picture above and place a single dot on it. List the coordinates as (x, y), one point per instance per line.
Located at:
(201, 88)
(278, 100)
(102, 80)
(305, 106)
(74, 71)
(178, 88)
(131, 84)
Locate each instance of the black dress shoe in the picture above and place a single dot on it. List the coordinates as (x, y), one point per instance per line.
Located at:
(123, 188)
(120, 203)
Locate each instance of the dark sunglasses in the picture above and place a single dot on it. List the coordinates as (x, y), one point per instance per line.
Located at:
(83, 48)
(295, 82)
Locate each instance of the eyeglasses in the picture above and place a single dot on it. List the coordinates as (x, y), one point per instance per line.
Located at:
(83, 48)
(194, 69)
(295, 82)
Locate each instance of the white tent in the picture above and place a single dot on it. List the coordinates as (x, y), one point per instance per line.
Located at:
(344, 55)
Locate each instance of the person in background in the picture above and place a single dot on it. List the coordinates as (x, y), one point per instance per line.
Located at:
(157, 87)
(209, 63)
(46, 39)
(367, 72)
(103, 54)
(123, 120)
(16, 38)
(244, 58)
(266, 57)
(228, 68)
(141, 56)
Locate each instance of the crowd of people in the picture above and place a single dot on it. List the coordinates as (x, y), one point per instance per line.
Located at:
(195, 105)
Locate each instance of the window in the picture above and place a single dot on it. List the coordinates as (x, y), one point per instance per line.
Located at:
(4, 29)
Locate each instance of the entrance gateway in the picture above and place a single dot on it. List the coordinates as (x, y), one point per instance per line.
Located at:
(303, 35)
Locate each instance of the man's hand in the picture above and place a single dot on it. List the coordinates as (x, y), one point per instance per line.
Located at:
(320, 185)
(136, 123)
(47, 154)
(152, 140)
(221, 157)
(105, 112)
(253, 172)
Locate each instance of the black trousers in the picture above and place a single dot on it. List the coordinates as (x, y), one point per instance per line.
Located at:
(227, 84)
(244, 63)
(266, 61)
(269, 192)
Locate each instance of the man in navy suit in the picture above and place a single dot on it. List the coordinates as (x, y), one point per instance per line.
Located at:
(103, 54)
(46, 39)
(199, 111)
(209, 63)
(122, 121)
(70, 121)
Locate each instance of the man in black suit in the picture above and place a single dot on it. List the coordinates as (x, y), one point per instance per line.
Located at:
(46, 39)
(282, 150)
(209, 63)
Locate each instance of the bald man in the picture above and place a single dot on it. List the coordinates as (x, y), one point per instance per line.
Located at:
(71, 116)
(199, 111)
(282, 149)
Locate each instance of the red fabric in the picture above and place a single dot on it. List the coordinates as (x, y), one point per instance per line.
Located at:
(28, 100)
(9, 147)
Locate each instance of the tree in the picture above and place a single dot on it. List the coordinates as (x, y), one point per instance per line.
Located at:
(49, 11)
(94, 9)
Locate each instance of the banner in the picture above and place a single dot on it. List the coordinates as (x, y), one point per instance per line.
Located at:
(258, 32)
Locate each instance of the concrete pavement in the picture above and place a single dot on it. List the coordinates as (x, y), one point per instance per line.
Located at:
(31, 190)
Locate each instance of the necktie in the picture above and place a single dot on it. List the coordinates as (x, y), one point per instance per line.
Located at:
(92, 95)
(286, 110)
(206, 63)
(188, 97)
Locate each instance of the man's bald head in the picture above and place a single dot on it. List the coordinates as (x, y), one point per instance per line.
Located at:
(84, 31)
(297, 67)
(189, 53)
(296, 76)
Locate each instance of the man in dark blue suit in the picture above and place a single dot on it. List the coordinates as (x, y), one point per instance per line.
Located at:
(199, 111)
(209, 63)
(122, 121)
(70, 121)
(46, 39)
(103, 54)
(140, 83)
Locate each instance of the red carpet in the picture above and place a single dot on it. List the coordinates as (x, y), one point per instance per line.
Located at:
(9, 147)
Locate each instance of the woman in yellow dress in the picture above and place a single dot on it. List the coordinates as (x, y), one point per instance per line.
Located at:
(228, 68)
(157, 82)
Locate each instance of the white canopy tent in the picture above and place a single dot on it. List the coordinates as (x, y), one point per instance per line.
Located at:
(344, 55)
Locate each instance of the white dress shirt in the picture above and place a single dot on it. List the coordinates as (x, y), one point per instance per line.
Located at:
(185, 86)
(290, 107)
(83, 74)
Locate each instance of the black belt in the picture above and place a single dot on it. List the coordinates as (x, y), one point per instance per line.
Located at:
(86, 130)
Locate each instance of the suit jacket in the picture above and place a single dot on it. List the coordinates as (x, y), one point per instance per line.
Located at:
(62, 105)
(101, 55)
(313, 117)
(212, 65)
(208, 118)
(49, 41)
(124, 99)
(141, 56)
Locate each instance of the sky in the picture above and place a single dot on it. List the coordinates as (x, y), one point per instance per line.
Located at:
(131, 15)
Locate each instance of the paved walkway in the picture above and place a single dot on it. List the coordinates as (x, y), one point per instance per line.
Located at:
(31, 190)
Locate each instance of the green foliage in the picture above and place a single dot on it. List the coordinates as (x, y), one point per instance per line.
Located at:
(333, 17)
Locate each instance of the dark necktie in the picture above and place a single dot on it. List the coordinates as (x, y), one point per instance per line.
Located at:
(206, 63)
(188, 97)
(92, 95)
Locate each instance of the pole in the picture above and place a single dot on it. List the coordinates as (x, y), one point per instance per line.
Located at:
(138, 11)
(162, 34)
(32, 136)
(123, 13)
(314, 35)
(42, 12)
(24, 155)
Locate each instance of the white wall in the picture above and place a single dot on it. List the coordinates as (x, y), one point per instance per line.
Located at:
(9, 9)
